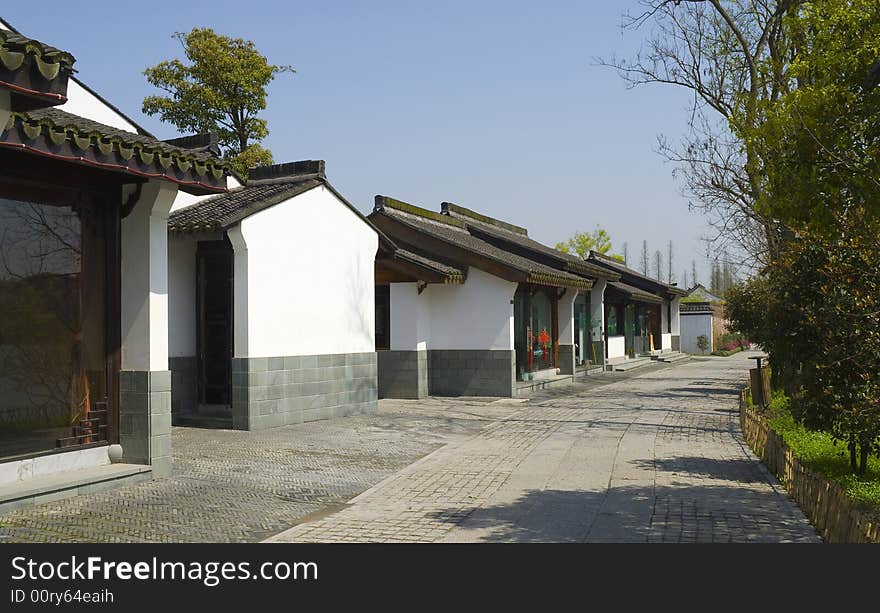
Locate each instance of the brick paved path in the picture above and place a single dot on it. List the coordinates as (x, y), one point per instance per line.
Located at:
(657, 457)
(231, 486)
(651, 455)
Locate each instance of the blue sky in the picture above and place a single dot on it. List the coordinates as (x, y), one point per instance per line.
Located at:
(497, 106)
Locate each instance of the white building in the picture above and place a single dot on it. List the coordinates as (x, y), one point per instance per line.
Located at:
(470, 305)
(271, 297)
(641, 315)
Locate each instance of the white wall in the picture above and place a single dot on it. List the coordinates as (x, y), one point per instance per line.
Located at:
(181, 296)
(145, 279)
(666, 339)
(616, 346)
(410, 318)
(676, 316)
(12, 473)
(566, 317)
(309, 279)
(475, 315)
(693, 326)
(85, 104)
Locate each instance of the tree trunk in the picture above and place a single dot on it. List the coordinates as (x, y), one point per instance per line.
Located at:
(863, 459)
(853, 464)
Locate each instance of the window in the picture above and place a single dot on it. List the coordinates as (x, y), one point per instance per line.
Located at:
(612, 320)
(53, 375)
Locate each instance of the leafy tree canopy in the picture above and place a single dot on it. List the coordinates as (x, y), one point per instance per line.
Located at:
(583, 242)
(221, 88)
(820, 141)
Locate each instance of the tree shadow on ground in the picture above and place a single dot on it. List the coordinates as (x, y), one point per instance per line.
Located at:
(741, 512)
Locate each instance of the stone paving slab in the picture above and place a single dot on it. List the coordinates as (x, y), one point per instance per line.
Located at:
(234, 486)
(654, 457)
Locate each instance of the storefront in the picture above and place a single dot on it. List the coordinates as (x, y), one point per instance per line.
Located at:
(536, 330)
(585, 351)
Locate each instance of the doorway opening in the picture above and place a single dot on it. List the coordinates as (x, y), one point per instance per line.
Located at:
(214, 298)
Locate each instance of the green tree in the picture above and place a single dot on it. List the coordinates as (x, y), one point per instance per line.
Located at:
(221, 88)
(817, 313)
(819, 149)
(820, 142)
(731, 56)
(583, 242)
(702, 343)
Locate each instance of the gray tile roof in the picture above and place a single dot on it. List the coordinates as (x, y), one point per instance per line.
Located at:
(63, 119)
(221, 212)
(496, 231)
(635, 293)
(455, 232)
(409, 254)
(13, 45)
(634, 277)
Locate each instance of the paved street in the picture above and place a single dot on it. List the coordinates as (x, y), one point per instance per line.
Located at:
(653, 455)
(653, 458)
(232, 486)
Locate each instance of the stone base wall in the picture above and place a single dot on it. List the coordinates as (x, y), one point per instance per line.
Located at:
(272, 392)
(599, 352)
(402, 374)
(676, 342)
(460, 372)
(566, 359)
(145, 419)
(184, 385)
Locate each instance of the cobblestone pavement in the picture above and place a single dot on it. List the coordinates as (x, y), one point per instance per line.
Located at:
(654, 457)
(231, 486)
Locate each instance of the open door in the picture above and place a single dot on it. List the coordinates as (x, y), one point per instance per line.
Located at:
(214, 320)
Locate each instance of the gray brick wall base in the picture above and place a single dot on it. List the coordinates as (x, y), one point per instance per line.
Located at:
(278, 391)
(145, 419)
(184, 385)
(472, 372)
(566, 359)
(676, 343)
(599, 352)
(402, 374)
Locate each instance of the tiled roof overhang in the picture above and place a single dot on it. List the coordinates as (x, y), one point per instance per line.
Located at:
(635, 278)
(60, 135)
(226, 210)
(34, 72)
(450, 238)
(634, 293)
(418, 267)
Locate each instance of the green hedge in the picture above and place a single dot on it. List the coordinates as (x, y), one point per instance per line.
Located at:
(819, 452)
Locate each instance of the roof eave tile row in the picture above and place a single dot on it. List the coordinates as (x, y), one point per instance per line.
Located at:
(36, 73)
(71, 138)
(457, 233)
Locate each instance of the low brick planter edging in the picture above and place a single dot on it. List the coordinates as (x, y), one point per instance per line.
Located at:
(838, 518)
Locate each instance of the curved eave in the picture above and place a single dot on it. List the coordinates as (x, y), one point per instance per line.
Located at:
(193, 175)
(541, 278)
